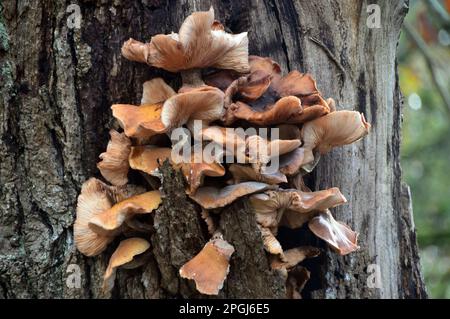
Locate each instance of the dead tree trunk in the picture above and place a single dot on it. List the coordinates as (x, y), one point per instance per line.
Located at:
(56, 87)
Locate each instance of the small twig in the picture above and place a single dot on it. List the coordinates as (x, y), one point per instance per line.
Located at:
(329, 54)
(429, 59)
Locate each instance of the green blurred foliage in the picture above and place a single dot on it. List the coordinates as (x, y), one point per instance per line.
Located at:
(426, 137)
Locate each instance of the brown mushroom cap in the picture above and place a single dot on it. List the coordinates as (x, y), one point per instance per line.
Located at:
(127, 250)
(280, 112)
(337, 234)
(156, 91)
(270, 205)
(306, 205)
(114, 162)
(291, 162)
(212, 197)
(271, 244)
(139, 121)
(209, 268)
(112, 218)
(92, 201)
(148, 158)
(199, 44)
(267, 65)
(335, 129)
(202, 103)
(243, 173)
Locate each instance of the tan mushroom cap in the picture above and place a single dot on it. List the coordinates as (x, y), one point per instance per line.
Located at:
(92, 201)
(294, 256)
(209, 268)
(114, 162)
(335, 129)
(156, 91)
(203, 103)
(267, 65)
(305, 202)
(210, 197)
(112, 218)
(338, 235)
(148, 159)
(295, 83)
(201, 43)
(282, 111)
(127, 250)
(140, 121)
(244, 173)
(289, 132)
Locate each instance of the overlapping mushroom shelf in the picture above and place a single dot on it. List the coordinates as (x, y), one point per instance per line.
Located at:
(223, 89)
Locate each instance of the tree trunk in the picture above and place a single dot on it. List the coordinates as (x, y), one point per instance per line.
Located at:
(57, 86)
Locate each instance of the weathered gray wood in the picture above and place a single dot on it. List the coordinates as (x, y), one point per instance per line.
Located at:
(56, 87)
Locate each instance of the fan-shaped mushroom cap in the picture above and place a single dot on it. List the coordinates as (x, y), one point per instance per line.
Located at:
(112, 218)
(270, 205)
(243, 173)
(209, 268)
(139, 121)
(199, 44)
(127, 250)
(92, 201)
(260, 151)
(334, 129)
(210, 197)
(280, 112)
(294, 256)
(291, 162)
(95, 198)
(305, 202)
(156, 91)
(267, 65)
(337, 234)
(202, 103)
(148, 158)
(114, 162)
(249, 87)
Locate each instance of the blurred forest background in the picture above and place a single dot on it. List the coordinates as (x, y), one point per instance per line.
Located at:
(424, 70)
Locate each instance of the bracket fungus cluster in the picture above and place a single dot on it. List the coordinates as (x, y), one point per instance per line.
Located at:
(226, 90)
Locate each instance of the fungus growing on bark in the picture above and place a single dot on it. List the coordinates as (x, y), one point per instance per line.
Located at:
(124, 254)
(111, 219)
(210, 267)
(242, 91)
(338, 235)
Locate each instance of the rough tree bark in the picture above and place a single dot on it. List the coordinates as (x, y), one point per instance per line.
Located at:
(56, 87)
